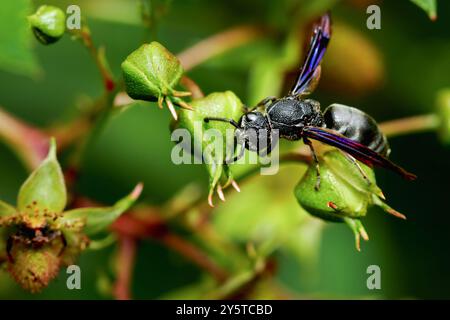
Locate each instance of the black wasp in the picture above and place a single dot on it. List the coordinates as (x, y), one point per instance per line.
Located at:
(346, 128)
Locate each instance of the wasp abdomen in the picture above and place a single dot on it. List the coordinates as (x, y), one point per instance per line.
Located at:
(356, 125)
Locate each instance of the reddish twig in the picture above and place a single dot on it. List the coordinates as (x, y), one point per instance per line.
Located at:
(409, 125)
(125, 265)
(135, 224)
(29, 142)
(195, 255)
(98, 55)
(218, 44)
(192, 86)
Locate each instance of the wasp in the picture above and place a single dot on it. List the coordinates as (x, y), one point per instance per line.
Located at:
(296, 117)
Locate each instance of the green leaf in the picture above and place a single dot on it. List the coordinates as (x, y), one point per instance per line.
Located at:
(429, 6)
(15, 39)
(99, 219)
(45, 188)
(6, 209)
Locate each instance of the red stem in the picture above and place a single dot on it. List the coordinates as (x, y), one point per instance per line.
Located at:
(125, 265)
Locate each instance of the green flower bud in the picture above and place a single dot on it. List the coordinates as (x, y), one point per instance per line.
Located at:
(443, 104)
(151, 73)
(346, 191)
(218, 104)
(48, 24)
(95, 220)
(53, 237)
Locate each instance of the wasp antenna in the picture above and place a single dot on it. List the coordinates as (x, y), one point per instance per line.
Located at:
(230, 121)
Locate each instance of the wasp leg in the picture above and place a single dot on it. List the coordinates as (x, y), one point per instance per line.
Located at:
(361, 171)
(9, 245)
(316, 161)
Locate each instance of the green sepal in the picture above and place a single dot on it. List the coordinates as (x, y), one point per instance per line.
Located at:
(6, 209)
(44, 190)
(429, 6)
(358, 231)
(96, 220)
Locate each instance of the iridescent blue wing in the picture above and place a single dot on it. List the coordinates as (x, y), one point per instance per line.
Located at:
(357, 150)
(310, 72)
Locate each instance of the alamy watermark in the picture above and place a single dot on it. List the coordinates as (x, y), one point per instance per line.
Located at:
(74, 279)
(211, 146)
(374, 20)
(73, 21)
(374, 280)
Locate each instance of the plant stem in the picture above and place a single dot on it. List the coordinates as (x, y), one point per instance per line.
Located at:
(147, 222)
(192, 87)
(218, 44)
(415, 124)
(191, 252)
(125, 265)
(27, 141)
(98, 55)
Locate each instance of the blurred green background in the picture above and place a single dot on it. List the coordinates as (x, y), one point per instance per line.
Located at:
(390, 73)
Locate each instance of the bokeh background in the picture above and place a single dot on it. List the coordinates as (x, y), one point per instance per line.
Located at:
(390, 73)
